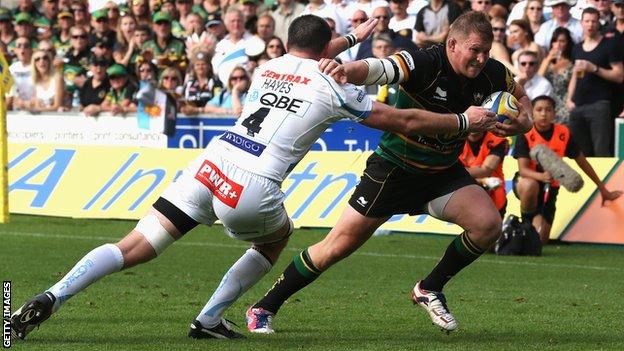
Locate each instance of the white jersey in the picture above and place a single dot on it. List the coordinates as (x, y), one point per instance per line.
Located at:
(289, 105)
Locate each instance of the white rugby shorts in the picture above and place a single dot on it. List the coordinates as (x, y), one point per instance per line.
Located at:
(211, 188)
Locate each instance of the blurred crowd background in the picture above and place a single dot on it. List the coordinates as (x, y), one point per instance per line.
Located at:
(91, 56)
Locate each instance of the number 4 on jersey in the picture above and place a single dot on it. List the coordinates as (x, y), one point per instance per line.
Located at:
(252, 123)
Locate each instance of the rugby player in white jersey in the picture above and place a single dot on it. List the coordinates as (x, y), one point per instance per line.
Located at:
(237, 178)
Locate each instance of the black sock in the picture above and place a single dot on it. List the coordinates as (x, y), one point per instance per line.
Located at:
(527, 217)
(460, 253)
(299, 273)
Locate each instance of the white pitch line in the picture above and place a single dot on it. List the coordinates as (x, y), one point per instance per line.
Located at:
(295, 249)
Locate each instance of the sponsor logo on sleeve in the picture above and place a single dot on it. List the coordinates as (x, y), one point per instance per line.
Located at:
(408, 60)
(360, 96)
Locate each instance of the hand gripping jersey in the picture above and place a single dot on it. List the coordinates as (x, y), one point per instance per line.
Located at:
(428, 81)
(289, 105)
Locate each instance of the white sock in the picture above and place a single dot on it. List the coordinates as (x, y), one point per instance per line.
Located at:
(246, 272)
(101, 261)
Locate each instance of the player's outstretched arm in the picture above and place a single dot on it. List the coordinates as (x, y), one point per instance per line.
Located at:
(351, 72)
(587, 168)
(359, 34)
(369, 71)
(417, 121)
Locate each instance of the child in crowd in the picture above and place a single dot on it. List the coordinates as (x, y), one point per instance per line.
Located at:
(535, 187)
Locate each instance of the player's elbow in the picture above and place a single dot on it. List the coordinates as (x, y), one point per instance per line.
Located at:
(413, 126)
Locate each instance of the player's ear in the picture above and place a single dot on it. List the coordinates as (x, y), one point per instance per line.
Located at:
(451, 42)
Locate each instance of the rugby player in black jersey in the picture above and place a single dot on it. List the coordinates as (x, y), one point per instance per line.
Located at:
(416, 174)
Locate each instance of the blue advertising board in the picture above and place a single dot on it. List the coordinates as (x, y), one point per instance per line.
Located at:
(196, 132)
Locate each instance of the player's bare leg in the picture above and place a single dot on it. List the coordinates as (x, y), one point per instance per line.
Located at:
(351, 231)
(471, 208)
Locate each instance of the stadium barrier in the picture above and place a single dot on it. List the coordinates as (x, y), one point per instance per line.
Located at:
(90, 181)
(619, 138)
(190, 132)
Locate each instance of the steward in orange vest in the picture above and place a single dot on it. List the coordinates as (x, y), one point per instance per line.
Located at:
(534, 187)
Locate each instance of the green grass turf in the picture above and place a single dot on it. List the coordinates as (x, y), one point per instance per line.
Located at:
(569, 299)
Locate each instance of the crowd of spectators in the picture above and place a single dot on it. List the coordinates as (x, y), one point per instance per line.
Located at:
(93, 55)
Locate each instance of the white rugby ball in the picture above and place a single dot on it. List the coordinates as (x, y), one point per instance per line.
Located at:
(504, 104)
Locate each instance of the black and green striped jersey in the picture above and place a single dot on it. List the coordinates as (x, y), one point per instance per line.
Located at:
(430, 83)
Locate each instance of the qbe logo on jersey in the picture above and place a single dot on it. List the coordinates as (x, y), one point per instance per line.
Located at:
(221, 186)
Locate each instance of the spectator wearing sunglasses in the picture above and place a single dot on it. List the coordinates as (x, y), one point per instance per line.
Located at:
(499, 50)
(96, 87)
(230, 101)
(171, 82)
(275, 48)
(48, 83)
(534, 14)
(399, 42)
(146, 71)
(431, 28)
(21, 71)
(561, 17)
(101, 32)
(81, 17)
(358, 17)
(534, 84)
(76, 60)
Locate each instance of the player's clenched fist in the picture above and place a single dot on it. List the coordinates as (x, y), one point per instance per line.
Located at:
(480, 119)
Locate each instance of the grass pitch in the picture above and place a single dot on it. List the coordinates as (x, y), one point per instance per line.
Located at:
(569, 299)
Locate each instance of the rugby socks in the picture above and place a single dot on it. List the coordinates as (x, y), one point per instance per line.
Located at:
(527, 217)
(299, 273)
(246, 272)
(99, 262)
(459, 254)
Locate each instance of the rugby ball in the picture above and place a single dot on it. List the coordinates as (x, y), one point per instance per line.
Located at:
(503, 104)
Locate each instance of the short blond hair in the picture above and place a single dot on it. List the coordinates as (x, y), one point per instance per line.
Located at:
(471, 22)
